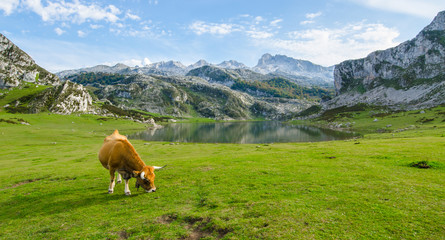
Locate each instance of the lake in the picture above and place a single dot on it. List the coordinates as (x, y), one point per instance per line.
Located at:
(240, 132)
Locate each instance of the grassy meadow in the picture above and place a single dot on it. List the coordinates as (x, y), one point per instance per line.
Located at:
(52, 185)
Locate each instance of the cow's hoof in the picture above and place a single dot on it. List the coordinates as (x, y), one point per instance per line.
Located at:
(119, 181)
(110, 191)
(128, 193)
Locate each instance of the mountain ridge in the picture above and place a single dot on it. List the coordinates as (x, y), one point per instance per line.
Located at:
(300, 71)
(408, 76)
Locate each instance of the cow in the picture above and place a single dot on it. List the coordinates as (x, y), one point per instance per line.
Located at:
(117, 154)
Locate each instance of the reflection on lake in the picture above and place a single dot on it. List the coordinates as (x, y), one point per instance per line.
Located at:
(240, 132)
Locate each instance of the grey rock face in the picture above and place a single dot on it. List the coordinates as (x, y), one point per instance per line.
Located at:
(410, 75)
(17, 66)
(66, 98)
(287, 66)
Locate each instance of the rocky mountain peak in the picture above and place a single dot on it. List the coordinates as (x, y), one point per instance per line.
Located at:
(16, 67)
(438, 23)
(198, 64)
(291, 67)
(232, 64)
(120, 66)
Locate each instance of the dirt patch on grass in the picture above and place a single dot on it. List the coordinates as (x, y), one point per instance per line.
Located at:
(15, 121)
(123, 234)
(425, 120)
(198, 227)
(427, 164)
(22, 183)
(420, 164)
(167, 219)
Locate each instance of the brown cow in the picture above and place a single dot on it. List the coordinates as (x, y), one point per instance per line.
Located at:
(117, 154)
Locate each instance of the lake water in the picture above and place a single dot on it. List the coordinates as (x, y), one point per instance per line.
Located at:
(240, 132)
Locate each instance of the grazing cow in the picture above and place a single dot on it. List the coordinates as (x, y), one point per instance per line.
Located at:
(117, 154)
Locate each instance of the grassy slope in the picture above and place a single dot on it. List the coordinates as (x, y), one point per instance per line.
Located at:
(53, 186)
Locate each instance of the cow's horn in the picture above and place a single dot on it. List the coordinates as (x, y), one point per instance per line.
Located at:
(155, 167)
(143, 175)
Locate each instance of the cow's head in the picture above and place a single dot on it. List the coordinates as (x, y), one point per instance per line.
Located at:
(146, 178)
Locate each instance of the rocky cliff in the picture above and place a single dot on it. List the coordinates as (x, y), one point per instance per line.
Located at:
(16, 66)
(410, 75)
(19, 71)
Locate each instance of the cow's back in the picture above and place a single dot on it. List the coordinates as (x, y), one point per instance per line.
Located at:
(112, 149)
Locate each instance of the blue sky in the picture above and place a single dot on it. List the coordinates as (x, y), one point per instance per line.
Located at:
(68, 34)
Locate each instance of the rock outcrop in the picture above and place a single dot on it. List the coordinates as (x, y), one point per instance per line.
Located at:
(408, 76)
(70, 98)
(18, 70)
(16, 67)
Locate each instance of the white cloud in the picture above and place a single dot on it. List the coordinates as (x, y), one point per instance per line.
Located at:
(306, 22)
(59, 31)
(132, 16)
(331, 46)
(310, 18)
(259, 34)
(424, 8)
(153, 2)
(146, 61)
(95, 26)
(200, 27)
(275, 22)
(254, 27)
(313, 15)
(81, 33)
(75, 11)
(8, 6)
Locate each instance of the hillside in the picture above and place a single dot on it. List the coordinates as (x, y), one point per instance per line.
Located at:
(408, 76)
(211, 94)
(25, 87)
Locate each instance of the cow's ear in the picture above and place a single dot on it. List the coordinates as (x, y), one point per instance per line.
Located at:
(136, 174)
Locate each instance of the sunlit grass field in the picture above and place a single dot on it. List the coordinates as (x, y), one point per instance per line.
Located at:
(52, 185)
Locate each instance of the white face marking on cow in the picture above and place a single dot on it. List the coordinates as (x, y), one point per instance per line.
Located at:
(143, 175)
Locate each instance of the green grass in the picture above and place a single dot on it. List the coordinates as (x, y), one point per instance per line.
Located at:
(52, 185)
(27, 89)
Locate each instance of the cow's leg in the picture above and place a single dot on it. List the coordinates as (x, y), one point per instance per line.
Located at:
(127, 188)
(112, 176)
(119, 178)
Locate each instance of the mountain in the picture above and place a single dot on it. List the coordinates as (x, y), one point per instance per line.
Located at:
(44, 90)
(232, 64)
(198, 64)
(191, 96)
(16, 66)
(298, 70)
(226, 76)
(408, 76)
